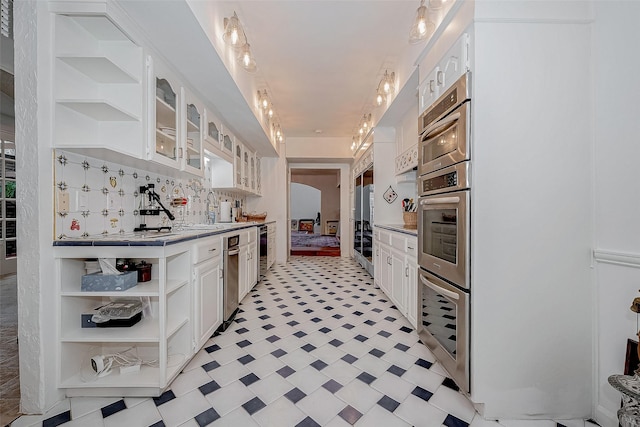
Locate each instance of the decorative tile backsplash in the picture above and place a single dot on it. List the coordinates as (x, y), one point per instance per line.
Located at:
(104, 197)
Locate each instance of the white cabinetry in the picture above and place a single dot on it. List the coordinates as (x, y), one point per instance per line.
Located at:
(238, 171)
(163, 338)
(207, 288)
(396, 270)
(453, 65)
(98, 84)
(175, 121)
(271, 245)
(247, 261)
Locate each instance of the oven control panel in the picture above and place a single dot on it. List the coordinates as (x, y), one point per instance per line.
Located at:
(451, 178)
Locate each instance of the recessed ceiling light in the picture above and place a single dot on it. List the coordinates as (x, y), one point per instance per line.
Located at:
(318, 131)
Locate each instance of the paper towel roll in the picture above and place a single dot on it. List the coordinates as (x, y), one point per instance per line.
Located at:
(225, 212)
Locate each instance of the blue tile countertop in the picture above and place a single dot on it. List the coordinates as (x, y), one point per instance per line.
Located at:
(400, 228)
(156, 238)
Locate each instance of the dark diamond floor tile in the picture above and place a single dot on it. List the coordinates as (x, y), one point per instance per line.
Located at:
(361, 338)
(377, 310)
(273, 338)
(278, 353)
(337, 316)
(316, 320)
(396, 370)
(349, 358)
(249, 379)
(308, 347)
(267, 327)
(264, 317)
(254, 405)
(448, 382)
(293, 323)
(366, 378)
(401, 347)
(388, 403)
(384, 334)
(376, 352)
(336, 342)
(243, 343)
(452, 421)
(212, 348)
(406, 329)
(158, 424)
(319, 365)
(424, 363)
(350, 414)
(287, 314)
(308, 310)
(299, 334)
(242, 331)
(332, 386)
(57, 420)
(164, 398)
(295, 395)
(207, 417)
(324, 330)
(308, 422)
(348, 326)
(422, 393)
(113, 408)
(209, 387)
(285, 371)
(246, 359)
(210, 366)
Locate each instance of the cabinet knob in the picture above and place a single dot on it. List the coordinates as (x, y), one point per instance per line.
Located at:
(212, 250)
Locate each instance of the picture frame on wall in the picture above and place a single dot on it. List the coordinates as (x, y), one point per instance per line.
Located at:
(294, 225)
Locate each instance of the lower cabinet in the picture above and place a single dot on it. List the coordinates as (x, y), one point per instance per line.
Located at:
(207, 289)
(161, 341)
(271, 245)
(396, 270)
(248, 261)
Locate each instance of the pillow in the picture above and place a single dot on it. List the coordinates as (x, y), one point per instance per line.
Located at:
(306, 225)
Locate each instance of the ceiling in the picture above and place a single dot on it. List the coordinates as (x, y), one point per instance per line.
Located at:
(322, 60)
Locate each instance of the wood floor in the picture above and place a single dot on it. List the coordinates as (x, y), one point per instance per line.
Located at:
(315, 251)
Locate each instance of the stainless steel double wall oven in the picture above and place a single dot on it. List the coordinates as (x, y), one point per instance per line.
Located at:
(444, 166)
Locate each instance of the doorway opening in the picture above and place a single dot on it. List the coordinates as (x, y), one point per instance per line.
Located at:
(315, 212)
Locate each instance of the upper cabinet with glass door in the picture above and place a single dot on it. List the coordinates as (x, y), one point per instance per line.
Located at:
(165, 93)
(193, 119)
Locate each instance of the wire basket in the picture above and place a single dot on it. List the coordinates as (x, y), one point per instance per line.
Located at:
(257, 217)
(410, 219)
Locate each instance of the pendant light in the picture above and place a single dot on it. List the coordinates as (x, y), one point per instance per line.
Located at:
(233, 33)
(422, 27)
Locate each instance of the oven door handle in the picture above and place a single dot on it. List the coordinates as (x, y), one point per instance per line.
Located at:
(439, 289)
(440, 201)
(440, 124)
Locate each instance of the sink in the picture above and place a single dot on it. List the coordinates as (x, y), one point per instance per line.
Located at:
(204, 227)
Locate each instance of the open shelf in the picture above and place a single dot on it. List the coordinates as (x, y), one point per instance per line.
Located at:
(98, 109)
(165, 114)
(144, 331)
(147, 377)
(142, 289)
(99, 68)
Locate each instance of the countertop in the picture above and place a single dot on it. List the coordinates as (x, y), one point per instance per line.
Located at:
(400, 228)
(155, 238)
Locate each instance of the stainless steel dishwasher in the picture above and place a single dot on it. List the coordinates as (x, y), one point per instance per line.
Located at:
(230, 280)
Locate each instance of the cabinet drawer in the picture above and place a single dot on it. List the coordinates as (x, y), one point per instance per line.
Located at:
(382, 236)
(399, 242)
(206, 249)
(412, 247)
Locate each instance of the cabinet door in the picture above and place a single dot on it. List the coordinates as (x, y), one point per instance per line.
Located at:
(192, 120)
(258, 176)
(412, 291)
(208, 300)
(398, 280)
(253, 265)
(237, 166)
(165, 92)
(245, 168)
(385, 270)
(212, 133)
(453, 64)
(243, 272)
(227, 145)
(252, 173)
(428, 90)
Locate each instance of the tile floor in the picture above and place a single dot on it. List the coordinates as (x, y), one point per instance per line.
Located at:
(315, 344)
(9, 374)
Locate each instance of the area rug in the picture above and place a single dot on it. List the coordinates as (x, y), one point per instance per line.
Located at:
(313, 240)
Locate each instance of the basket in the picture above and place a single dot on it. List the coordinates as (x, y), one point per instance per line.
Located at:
(257, 217)
(410, 219)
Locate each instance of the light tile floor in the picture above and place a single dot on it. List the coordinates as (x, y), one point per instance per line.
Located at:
(315, 343)
(9, 373)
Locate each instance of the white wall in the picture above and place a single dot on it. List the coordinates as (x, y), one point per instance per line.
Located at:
(305, 201)
(301, 149)
(617, 204)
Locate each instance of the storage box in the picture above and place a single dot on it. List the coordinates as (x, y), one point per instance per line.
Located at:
(98, 282)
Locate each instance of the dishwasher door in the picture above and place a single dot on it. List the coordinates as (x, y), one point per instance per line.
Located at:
(263, 248)
(231, 281)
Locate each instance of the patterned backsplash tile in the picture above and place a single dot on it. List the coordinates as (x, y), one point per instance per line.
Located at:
(104, 197)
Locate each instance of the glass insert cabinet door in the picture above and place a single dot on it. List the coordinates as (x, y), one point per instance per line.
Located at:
(363, 214)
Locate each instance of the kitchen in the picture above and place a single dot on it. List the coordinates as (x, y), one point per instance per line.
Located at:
(577, 229)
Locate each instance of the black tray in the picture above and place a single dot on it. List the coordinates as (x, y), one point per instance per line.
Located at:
(121, 323)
